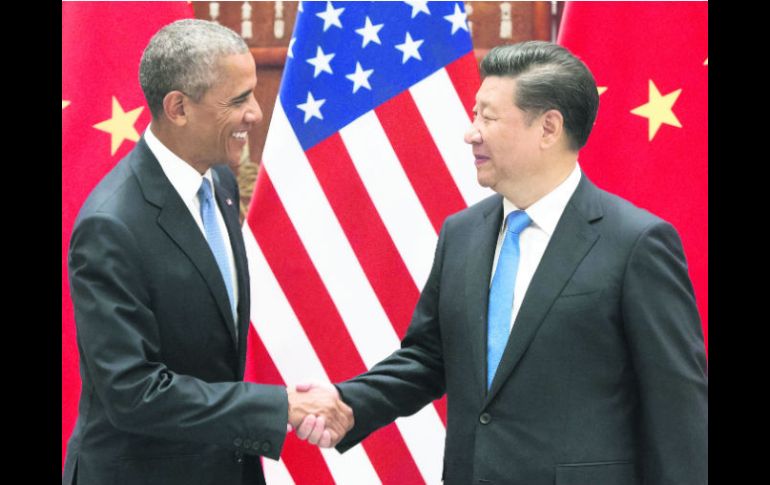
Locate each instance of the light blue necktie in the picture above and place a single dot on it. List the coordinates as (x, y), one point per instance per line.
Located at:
(501, 292)
(214, 237)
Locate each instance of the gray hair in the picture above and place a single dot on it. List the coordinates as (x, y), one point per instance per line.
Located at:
(548, 76)
(184, 56)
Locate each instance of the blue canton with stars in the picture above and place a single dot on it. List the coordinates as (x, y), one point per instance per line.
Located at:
(347, 58)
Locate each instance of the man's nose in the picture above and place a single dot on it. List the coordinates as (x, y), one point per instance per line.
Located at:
(253, 111)
(472, 135)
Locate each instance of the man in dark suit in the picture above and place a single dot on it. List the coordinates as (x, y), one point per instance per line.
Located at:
(559, 319)
(160, 286)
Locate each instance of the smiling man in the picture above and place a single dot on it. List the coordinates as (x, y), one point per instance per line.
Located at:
(559, 319)
(160, 287)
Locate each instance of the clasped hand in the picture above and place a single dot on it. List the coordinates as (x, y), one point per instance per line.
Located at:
(318, 414)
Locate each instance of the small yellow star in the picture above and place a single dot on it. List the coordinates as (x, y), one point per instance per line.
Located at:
(121, 125)
(64, 104)
(658, 109)
(601, 89)
(706, 62)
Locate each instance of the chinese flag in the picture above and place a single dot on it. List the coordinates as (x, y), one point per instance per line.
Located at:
(103, 115)
(650, 141)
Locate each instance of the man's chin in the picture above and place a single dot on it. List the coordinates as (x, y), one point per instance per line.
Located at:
(483, 181)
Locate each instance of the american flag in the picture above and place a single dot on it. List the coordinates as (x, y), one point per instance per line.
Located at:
(364, 160)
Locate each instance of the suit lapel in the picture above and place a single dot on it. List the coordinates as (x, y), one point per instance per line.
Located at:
(176, 221)
(572, 239)
(478, 271)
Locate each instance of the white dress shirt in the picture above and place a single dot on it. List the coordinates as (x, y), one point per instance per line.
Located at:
(186, 180)
(545, 214)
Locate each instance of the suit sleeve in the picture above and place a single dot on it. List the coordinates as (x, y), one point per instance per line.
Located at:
(120, 351)
(408, 379)
(665, 338)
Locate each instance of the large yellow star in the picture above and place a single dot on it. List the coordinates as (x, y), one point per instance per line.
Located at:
(64, 104)
(658, 109)
(121, 125)
(601, 89)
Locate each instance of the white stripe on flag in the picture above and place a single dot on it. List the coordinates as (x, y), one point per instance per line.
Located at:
(447, 122)
(392, 194)
(292, 352)
(424, 434)
(339, 461)
(277, 324)
(276, 472)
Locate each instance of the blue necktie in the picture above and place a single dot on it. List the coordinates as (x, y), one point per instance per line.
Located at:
(214, 237)
(501, 292)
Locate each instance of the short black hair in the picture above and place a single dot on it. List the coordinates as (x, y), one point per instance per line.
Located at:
(548, 76)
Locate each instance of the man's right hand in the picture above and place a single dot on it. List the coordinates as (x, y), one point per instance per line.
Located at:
(318, 415)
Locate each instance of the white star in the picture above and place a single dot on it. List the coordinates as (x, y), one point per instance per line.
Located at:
(300, 7)
(331, 16)
(409, 48)
(312, 107)
(369, 32)
(418, 6)
(321, 62)
(360, 78)
(291, 44)
(458, 19)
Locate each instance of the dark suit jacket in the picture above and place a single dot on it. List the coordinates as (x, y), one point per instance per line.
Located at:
(603, 380)
(159, 361)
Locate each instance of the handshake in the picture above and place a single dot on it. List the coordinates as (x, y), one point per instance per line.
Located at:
(318, 415)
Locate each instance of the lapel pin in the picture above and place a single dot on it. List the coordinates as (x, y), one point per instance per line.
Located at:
(229, 201)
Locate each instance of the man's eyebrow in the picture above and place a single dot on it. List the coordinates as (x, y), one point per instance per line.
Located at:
(244, 94)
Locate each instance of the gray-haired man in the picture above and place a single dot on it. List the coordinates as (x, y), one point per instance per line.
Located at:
(160, 287)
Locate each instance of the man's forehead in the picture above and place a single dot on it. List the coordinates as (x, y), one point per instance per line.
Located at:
(494, 87)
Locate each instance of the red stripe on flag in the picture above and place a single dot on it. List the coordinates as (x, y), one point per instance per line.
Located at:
(441, 408)
(305, 463)
(422, 162)
(260, 367)
(364, 229)
(391, 465)
(300, 282)
(308, 297)
(464, 74)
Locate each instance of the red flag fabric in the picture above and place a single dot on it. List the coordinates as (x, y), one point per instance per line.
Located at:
(364, 159)
(103, 115)
(650, 141)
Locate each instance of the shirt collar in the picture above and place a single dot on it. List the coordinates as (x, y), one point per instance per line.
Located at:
(546, 212)
(185, 179)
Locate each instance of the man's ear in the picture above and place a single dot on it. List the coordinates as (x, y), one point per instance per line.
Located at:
(552, 123)
(175, 105)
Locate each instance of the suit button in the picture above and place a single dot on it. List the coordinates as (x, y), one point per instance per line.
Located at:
(238, 457)
(237, 442)
(265, 447)
(485, 418)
